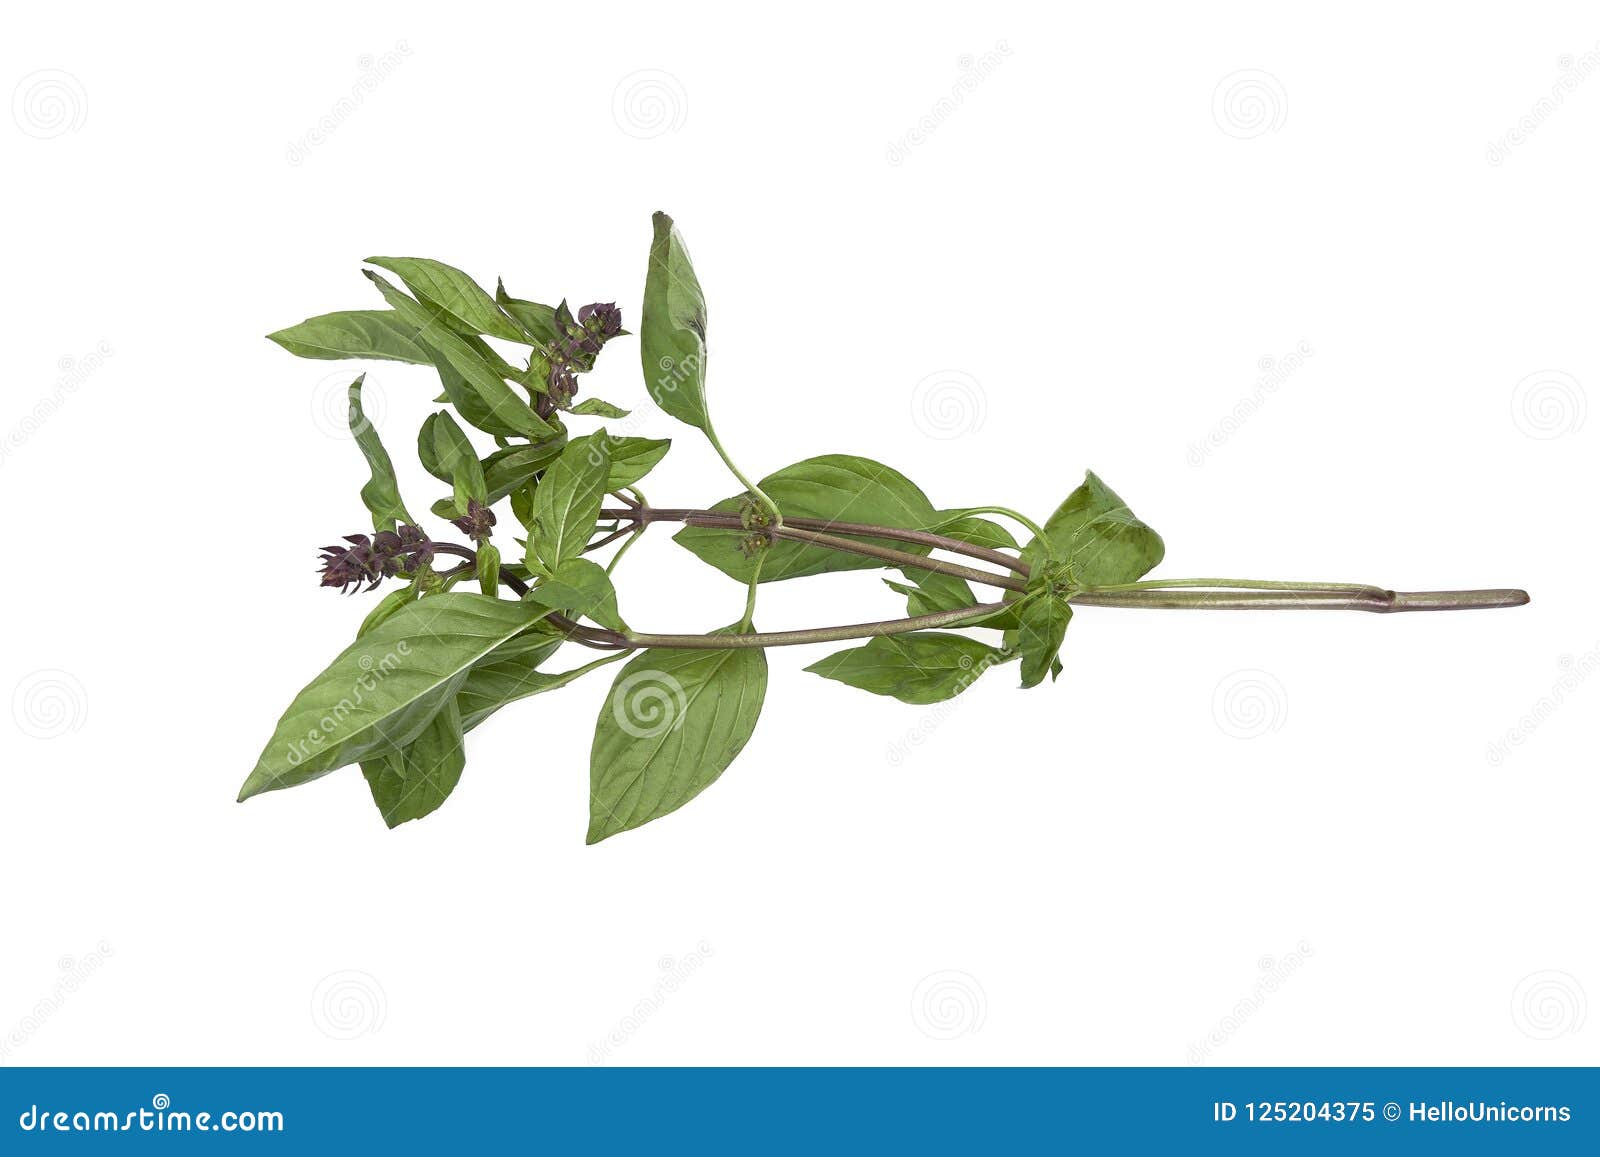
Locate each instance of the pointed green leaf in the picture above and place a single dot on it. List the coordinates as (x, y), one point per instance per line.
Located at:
(381, 692)
(512, 673)
(412, 782)
(488, 568)
(427, 448)
(595, 408)
(972, 529)
(672, 330)
(381, 494)
(467, 400)
(503, 675)
(580, 587)
(633, 458)
(1099, 538)
(929, 592)
(567, 503)
(834, 487)
(501, 411)
(1041, 626)
(538, 320)
(505, 470)
(920, 667)
(455, 461)
(673, 722)
(354, 333)
(387, 607)
(462, 299)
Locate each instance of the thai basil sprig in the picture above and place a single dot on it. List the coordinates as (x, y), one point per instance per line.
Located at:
(431, 662)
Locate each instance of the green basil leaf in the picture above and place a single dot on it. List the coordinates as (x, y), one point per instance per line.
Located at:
(381, 692)
(834, 487)
(633, 458)
(522, 507)
(492, 358)
(512, 673)
(381, 494)
(595, 408)
(462, 299)
(920, 667)
(527, 682)
(354, 333)
(496, 409)
(580, 587)
(387, 607)
(1099, 538)
(672, 723)
(538, 320)
(976, 531)
(672, 329)
(566, 505)
(412, 782)
(930, 592)
(507, 469)
(508, 673)
(427, 451)
(456, 461)
(1041, 626)
(469, 403)
(488, 568)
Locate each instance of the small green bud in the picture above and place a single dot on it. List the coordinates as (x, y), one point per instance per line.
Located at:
(489, 568)
(752, 515)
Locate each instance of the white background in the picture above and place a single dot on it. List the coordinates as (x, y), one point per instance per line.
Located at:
(1219, 838)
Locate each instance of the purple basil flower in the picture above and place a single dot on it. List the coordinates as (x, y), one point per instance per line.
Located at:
(370, 560)
(477, 522)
